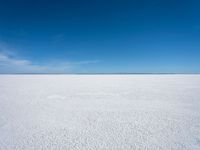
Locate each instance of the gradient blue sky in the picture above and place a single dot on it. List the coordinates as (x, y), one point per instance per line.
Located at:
(99, 36)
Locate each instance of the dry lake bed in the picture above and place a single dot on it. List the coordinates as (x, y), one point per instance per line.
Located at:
(99, 112)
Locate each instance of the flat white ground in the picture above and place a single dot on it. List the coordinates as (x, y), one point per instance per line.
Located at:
(103, 112)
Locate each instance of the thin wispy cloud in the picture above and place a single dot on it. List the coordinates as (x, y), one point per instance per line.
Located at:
(12, 63)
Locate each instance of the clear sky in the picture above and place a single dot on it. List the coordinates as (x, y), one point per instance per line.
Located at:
(100, 36)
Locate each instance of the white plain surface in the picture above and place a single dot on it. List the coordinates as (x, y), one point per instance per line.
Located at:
(103, 112)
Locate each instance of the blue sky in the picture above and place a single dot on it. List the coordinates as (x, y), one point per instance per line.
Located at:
(99, 36)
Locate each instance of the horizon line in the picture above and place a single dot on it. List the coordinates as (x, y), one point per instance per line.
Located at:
(117, 73)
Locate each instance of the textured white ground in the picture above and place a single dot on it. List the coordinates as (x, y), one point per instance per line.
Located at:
(103, 112)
